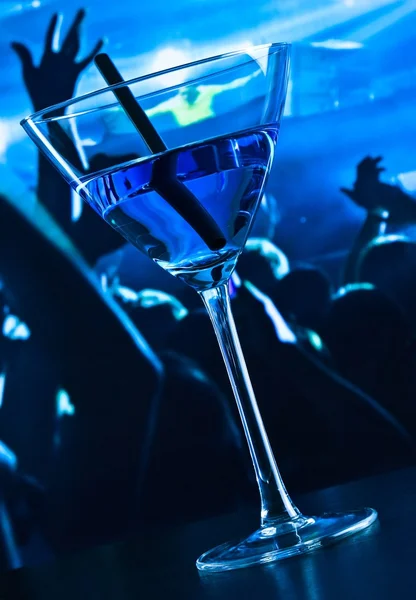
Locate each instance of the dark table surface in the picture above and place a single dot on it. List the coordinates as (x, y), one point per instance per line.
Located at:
(378, 564)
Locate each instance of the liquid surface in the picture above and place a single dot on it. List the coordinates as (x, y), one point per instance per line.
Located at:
(225, 175)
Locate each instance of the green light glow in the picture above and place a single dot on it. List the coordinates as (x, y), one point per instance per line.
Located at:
(193, 105)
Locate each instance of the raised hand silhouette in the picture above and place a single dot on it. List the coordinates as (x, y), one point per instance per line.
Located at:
(387, 201)
(384, 203)
(364, 192)
(55, 78)
(53, 81)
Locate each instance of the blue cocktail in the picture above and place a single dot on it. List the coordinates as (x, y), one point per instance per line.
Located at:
(226, 175)
(188, 202)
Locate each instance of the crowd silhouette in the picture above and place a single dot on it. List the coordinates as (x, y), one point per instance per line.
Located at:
(116, 411)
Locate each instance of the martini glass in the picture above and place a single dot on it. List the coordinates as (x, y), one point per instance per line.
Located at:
(190, 208)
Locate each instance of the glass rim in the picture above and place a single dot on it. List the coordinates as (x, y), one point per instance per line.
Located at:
(37, 116)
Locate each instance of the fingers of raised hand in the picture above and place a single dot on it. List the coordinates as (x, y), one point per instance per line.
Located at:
(71, 43)
(370, 166)
(50, 34)
(376, 162)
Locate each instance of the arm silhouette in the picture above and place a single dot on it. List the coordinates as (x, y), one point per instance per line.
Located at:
(53, 81)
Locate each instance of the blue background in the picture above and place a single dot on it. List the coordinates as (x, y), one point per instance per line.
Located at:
(352, 92)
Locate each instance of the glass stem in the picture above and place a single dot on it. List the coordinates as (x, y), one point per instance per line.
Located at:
(276, 505)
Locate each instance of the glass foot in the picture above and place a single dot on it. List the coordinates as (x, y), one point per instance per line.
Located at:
(271, 543)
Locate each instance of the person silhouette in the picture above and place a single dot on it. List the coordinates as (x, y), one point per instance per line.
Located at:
(154, 312)
(262, 263)
(194, 420)
(303, 296)
(389, 263)
(53, 81)
(78, 334)
(385, 205)
(366, 332)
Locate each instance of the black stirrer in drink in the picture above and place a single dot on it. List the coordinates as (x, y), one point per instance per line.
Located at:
(164, 179)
